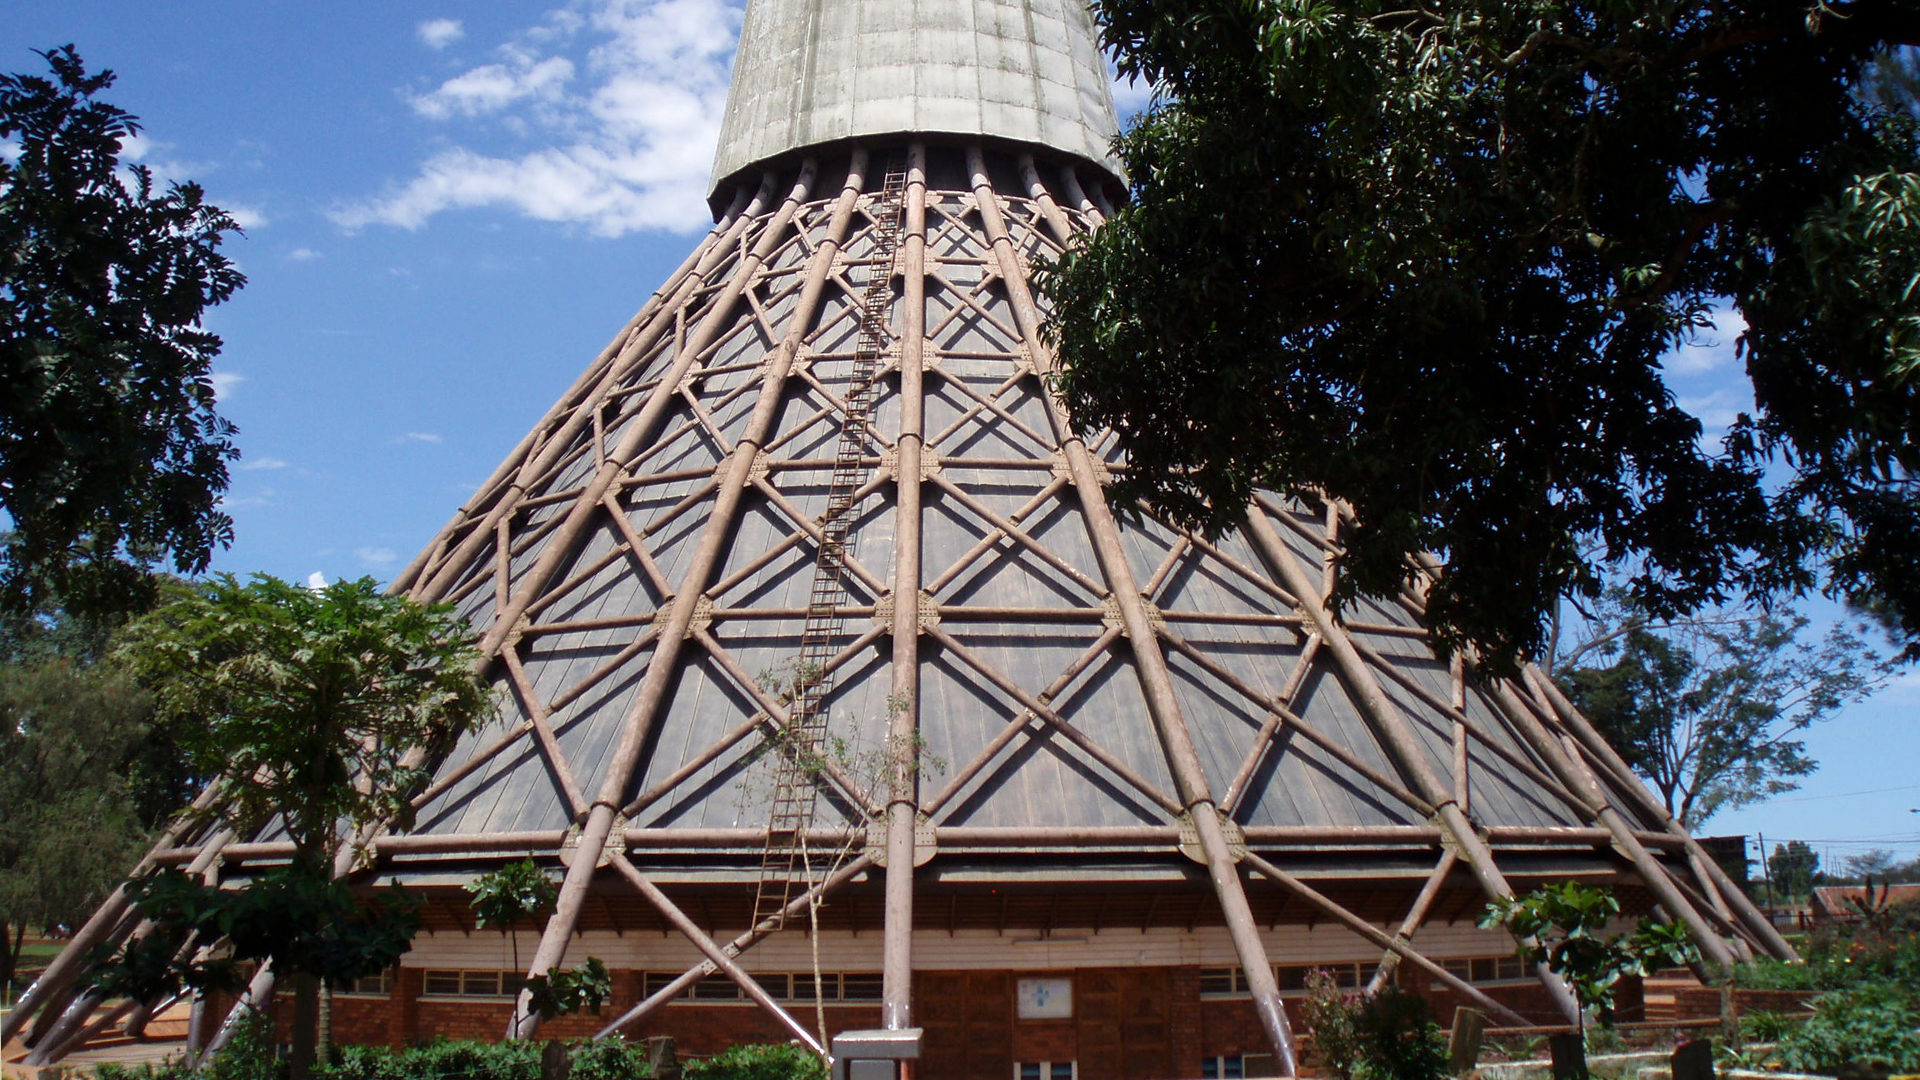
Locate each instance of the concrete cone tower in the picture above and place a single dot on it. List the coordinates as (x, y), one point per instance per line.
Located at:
(832, 681)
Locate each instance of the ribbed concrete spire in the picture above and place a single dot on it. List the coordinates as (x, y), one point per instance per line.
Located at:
(814, 71)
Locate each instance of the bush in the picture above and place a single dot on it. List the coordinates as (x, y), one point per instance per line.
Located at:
(1875, 1023)
(758, 1063)
(1389, 1035)
(1815, 974)
(612, 1058)
(437, 1061)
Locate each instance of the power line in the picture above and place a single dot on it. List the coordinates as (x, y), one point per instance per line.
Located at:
(1847, 794)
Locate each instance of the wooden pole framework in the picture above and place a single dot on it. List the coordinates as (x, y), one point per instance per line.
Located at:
(712, 411)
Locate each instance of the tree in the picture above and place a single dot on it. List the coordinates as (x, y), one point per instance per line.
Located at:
(1879, 866)
(1793, 866)
(320, 710)
(1709, 708)
(111, 455)
(69, 828)
(85, 774)
(1427, 261)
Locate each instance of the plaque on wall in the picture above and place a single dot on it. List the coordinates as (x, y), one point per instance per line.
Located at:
(1049, 998)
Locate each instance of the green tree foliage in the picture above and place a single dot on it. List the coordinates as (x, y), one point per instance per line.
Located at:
(1386, 1035)
(111, 455)
(1709, 708)
(84, 773)
(1880, 866)
(1428, 260)
(516, 891)
(320, 711)
(1793, 868)
(1568, 928)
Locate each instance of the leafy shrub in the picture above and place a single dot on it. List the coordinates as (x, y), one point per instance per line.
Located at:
(758, 1063)
(250, 1053)
(437, 1061)
(1873, 1023)
(612, 1058)
(1815, 974)
(1767, 1027)
(1389, 1035)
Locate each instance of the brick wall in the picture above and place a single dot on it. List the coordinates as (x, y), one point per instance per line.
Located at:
(1200, 1027)
(1703, 1002)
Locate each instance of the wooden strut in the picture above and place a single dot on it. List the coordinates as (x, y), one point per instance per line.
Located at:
(1390, 727)
(1150, 666)
(738, 945)
(55, 981)
(1757, 924)
(903, 722)
(1395, 945)
(641, 335)
(1602, 811)
(715, 955)
(643, 715)
(1416, 915)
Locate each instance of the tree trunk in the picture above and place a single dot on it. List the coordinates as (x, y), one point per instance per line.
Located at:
(323, 1048)
(306, 1018)
(10, 945)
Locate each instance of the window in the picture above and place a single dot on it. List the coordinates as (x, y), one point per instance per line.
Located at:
(471, 983)
(716, 988)
(1043, 1070)
(369, 985)
(781, 985)
(863, 986)
(1486, 969)
(1220, 982)
(1345, 976)
(1223, 1067)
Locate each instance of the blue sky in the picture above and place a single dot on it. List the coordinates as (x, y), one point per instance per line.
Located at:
(450, 208)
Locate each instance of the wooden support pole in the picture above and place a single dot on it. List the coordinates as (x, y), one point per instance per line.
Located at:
(107, 922)
(1761, 929)
(715, 955)
(1375, 935)
(643, 333)
(1575, 776)
(1416, 915)
(1391, 728)
(662, 669)
(1150, 666)
(754, 935)
(903, 701)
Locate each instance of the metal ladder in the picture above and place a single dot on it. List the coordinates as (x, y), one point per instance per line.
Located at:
(783, 870)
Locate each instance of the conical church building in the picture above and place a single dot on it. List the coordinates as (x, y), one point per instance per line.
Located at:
(834, 687)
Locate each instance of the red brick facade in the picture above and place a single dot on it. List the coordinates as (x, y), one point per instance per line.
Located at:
(1127, 1022)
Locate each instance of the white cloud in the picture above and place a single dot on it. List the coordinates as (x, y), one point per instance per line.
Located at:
(604, 116)
(437, 34)
(1716, 411)
(492, 88)
(316, 581)
(262, 463)
(224, 382)
(376, 556)
(1711, 348)
(264, 497)
(303, 254)
(246, 217)
(422, 436)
